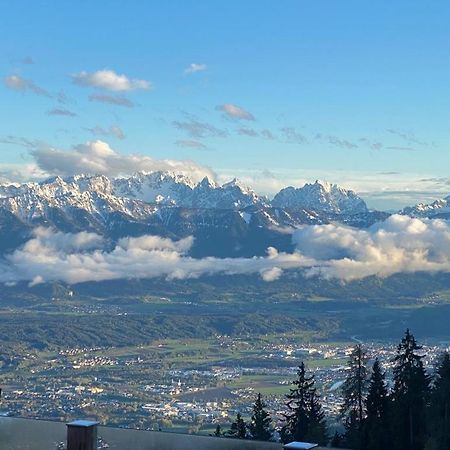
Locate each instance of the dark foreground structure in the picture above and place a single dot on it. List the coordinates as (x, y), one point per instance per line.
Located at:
(17, 434)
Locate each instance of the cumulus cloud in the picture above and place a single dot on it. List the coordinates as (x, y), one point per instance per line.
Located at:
(117, 100)
(399, 245)
(235, 112)
(271, 274)
(15, 173)
(77, 258)
(194, 68)
(109, 80)
(113, 130)
(97, 157)
(20, 84)
(61, 112)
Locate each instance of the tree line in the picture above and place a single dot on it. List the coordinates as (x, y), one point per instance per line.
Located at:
(411, 412)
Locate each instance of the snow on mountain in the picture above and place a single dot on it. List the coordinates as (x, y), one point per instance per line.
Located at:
(92, 194)
(141, 192)
(164, 188)
(439, 208)
(321, 196)
(225, 220)
(231, 195)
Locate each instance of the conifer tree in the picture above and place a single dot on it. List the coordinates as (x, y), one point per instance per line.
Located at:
(439, 414)
(317, 428)
(376, 423)
(305, 418)
(260, 426)
(296, 421)
(238, 428)
(354, 391)
(409, 396)
(337, 440)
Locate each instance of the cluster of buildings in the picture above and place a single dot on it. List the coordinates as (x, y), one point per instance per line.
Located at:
(135, 390)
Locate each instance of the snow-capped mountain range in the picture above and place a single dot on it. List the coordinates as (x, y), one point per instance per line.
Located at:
(225, 220)
(438, 209)
(99, 194)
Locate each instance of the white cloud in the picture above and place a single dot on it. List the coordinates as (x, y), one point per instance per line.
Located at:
(97, 157)
(109, 80)
(194, 68)
(20, 84)
(399, 245)
(271, 274)
(232, 111)
(15, 173)
(76, 258)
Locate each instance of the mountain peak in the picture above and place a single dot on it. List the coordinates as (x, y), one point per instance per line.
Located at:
(440, 207)
(207, 183)
(238, 184)
(321, 196)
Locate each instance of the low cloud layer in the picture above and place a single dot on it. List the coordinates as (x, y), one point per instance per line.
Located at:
(77, 258)
(97, 157)
(399, 245)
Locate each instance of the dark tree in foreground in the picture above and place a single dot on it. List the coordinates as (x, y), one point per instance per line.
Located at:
(260, 426)
(337, 440)
(296, 420)
(439, 412)
(305, 419)
(218, 431)
(409, 396)
(354, 391)
(376, 423)
(238, 428)
(317, 429)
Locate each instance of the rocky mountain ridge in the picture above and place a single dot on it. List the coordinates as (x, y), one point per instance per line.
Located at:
(225, 220)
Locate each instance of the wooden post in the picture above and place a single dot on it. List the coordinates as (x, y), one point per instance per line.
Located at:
(82, 435)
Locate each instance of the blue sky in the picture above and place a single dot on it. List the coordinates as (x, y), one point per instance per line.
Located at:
(355, 92)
